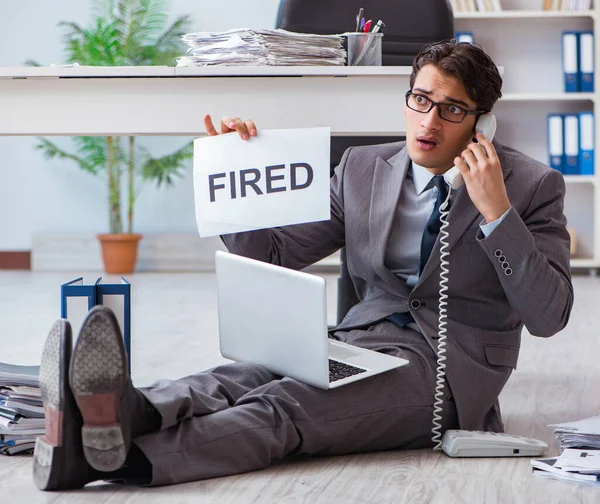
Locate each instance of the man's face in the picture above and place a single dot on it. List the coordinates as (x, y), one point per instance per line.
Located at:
(433, 142)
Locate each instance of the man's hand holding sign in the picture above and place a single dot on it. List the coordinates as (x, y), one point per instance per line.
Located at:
(278, 178)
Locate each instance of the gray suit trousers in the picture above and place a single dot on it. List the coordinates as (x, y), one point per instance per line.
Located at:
(241, 417)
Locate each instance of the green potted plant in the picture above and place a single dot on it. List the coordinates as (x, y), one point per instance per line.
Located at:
(123, 32)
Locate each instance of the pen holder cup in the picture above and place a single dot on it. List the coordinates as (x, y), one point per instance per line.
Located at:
(364, 49)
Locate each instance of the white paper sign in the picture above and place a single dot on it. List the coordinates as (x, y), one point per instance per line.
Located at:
(277, 178)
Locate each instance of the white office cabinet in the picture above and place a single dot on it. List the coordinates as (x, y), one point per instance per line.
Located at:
(528, 45)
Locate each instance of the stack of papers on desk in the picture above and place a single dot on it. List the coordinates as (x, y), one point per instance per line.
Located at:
(21, 408)
(580, 466)
(579, 434)
(259, 47)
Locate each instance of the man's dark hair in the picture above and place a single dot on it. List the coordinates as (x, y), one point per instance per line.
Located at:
(469, 64)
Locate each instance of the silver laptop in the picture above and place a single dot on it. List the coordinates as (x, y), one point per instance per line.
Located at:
(277, 317)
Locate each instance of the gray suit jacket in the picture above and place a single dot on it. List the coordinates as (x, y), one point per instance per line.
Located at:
(519, 275)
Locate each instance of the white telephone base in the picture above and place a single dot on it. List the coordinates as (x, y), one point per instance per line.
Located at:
(462, 443)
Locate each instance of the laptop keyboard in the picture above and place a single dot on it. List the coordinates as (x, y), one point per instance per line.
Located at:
(339, 370)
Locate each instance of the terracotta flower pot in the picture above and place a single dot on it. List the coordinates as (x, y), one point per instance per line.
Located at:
(119, 252)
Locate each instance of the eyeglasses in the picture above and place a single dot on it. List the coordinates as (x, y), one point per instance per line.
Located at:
(447, 111)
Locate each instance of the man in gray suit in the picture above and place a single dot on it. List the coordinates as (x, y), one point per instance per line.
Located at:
(509, 268)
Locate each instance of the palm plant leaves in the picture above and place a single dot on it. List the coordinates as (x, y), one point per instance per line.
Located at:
(168, 44)
(103, 8)
(96, 46)
(126, 32)
(92, 150)
(123, 32)
(86, 162)
(172, 35)
(139, 22)
(163, 169)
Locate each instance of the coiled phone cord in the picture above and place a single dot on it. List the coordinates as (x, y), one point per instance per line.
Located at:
(441, 353)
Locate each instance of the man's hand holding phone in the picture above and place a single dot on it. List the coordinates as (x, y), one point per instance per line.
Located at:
(481, 170)
(245, 129)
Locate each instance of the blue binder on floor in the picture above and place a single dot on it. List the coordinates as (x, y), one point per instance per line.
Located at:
(570, 60)
(586, 143)
(586, 62)
(556, 149)
(571, 144)
(78, 298)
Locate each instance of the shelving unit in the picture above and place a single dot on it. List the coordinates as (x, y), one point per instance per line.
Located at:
(549, 97)
(523, 13)
(528, 45)
(580, 179)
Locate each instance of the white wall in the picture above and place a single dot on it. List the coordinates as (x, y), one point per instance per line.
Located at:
(40, 196)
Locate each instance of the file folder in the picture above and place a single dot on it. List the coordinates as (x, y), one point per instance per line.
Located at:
(586, 62)
(586, 143)
(570, 61)
(571, 144)
(555, 142)
(78, 298)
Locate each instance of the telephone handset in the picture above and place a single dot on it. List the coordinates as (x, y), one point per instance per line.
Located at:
(486, 125)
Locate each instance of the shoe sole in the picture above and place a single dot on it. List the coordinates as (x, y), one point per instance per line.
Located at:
(49, 459)
(98, 374)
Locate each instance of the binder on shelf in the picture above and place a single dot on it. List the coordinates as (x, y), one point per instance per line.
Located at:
(556, 142)
(464, 37)
(571, 144)
(78, 298)
(586, 143)
(570, 42)
(586, 62)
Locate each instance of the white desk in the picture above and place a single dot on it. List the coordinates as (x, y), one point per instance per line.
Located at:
(173, 100)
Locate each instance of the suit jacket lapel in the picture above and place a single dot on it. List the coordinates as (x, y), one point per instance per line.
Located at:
(388, 180)
(462, 214)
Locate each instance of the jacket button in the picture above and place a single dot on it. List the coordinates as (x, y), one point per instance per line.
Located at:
(498, 252)
(502, 258)
(505, 265)
(508, 271)
(415, 304)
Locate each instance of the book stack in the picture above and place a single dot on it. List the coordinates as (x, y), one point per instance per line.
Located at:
(258, 47)
(21, 408)
(476, 5)
(564, 5)
(580, 459)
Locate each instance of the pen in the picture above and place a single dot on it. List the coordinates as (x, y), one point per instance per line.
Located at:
(362, 24)
(364, 47)
(367, 26)
(378, 27)
(359, 17)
